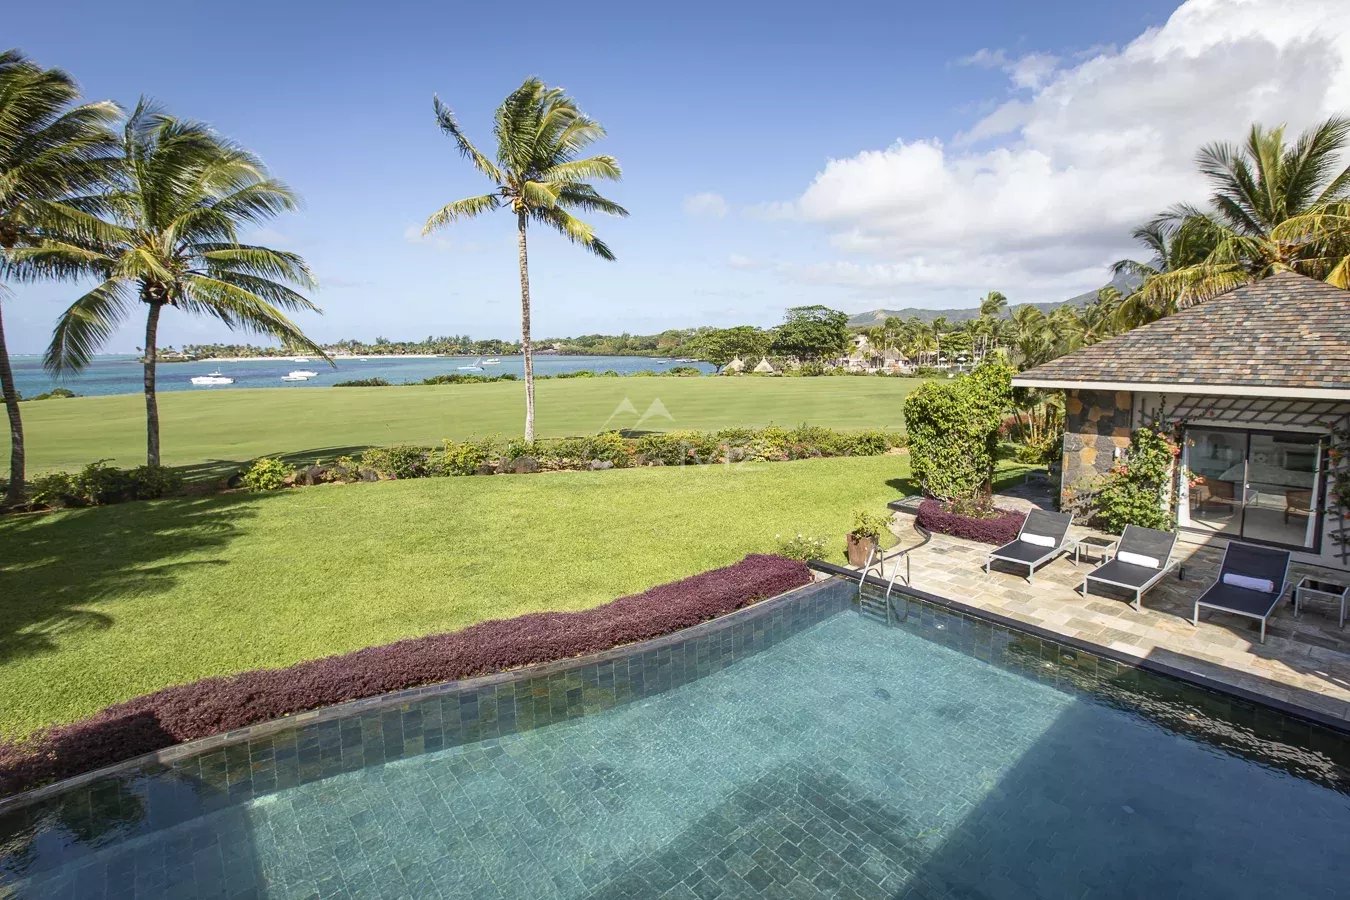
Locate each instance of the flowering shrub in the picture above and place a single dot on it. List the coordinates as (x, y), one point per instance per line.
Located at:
(998, 529)
(802, 547)
(216, 705)
(1135, 491)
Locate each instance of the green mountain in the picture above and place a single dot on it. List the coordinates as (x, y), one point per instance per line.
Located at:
(1124, 284)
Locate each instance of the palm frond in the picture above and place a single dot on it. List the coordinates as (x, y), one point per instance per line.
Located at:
(242, 308)
(572, 228)
(85, 326)
(582, 170)
(445, 118)
(466, 208)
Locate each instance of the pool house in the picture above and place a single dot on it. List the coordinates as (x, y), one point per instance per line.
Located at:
(1257, 382)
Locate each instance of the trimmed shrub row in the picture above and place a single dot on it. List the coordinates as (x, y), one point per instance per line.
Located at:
(216, 705)
(997, 529)
(607, 450)
(612, 449)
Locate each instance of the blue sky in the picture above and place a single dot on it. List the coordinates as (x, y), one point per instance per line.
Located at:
(746, 102)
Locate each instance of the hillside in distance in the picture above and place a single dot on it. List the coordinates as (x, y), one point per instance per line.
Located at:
(1122, 283)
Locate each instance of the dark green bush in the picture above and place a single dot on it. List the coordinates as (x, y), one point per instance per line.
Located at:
(363, 382)
(468, 378)
(59, 393)
(953, 430)
(153, 482)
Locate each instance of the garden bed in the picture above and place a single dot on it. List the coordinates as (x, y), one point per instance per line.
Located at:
(998, 529)
(217, 705)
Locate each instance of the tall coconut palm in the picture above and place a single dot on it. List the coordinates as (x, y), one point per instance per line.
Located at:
(540, 177)
(170, 239)
(1275, 207)
(52, 152)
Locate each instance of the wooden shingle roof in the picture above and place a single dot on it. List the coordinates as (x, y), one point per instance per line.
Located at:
(1287, 333)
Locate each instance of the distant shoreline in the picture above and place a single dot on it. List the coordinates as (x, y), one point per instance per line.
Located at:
(312, 358)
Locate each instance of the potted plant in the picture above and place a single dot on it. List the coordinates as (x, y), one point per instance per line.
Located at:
(865, 536)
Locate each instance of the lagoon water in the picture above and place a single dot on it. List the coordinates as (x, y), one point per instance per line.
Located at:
(121, 374)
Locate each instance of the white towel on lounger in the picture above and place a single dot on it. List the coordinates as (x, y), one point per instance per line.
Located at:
(1264, 585)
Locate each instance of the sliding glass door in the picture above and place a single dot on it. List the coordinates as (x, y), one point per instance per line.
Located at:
(1259, 485)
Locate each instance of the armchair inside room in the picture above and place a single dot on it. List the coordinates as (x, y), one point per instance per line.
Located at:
(1209, 493)
(1297, 502)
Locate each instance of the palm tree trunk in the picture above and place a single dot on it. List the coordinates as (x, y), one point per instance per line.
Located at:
(151, 404)
(14, 493)
(525, 348)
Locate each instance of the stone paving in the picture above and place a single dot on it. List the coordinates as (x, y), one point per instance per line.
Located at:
(1305, 660)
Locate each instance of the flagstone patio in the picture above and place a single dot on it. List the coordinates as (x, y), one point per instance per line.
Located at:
(1305, 660)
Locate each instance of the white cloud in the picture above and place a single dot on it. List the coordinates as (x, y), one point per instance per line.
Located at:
(1041, 194)
(706, 205)
(740, 261)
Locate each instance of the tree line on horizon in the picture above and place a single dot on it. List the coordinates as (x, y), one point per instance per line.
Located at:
(149, 207)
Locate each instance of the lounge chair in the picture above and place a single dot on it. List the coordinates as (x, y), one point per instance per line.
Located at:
(1143, 557)
(1251, 581)
(1043, 536)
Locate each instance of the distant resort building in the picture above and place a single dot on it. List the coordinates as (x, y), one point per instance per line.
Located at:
(763, 368)
(735, 367)
(866, 358)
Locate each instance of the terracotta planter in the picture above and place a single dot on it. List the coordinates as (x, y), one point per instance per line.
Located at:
(858, 549)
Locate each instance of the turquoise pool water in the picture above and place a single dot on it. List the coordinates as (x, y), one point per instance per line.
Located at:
(852, 759)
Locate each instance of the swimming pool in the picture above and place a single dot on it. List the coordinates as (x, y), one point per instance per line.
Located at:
(800, 748)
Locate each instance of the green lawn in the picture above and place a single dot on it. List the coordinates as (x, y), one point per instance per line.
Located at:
(214, 432)
(100, 605)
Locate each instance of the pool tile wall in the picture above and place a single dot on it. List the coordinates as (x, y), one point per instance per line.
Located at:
(1305, 748)
(209, 775)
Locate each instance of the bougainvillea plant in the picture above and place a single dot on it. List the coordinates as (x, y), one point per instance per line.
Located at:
(1137, 490)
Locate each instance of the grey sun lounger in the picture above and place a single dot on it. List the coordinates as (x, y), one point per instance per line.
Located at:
(1247, 561)
(1148, 557)
(1052, 530)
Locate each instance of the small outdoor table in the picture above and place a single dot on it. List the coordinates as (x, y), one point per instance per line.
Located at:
(1084, 545)
(1309, 586)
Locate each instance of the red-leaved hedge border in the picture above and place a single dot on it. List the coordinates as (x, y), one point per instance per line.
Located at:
(215, 705)
(997, 530)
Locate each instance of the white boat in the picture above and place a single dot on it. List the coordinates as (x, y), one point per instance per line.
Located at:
(212, 378)
(492, 362)
(294, 378)
(300, 359)
(360, 359)
(476, 367)
(302, 373)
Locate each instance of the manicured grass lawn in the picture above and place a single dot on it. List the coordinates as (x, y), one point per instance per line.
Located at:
(213, 432)
(100, 605)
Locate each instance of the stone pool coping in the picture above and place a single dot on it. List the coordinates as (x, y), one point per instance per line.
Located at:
(188, 749)
(1285, 707)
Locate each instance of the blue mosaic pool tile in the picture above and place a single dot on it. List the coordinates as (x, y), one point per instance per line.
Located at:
(854, 761)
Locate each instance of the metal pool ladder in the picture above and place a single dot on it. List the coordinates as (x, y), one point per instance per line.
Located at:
(878, 558)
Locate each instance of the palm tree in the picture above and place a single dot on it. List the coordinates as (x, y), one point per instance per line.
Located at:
(170, 239)
(540, 133)
(51, 153)
(1275, 207)
(939, 328)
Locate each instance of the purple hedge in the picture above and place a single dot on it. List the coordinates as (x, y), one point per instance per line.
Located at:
(220, 704)
(997, 530)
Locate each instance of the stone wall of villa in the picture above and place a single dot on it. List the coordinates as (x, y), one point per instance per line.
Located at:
(1096, 424)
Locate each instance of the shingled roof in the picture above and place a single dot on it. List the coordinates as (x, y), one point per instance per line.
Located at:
(1288, 333)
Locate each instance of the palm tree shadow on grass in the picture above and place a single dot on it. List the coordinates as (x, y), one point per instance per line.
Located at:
(210, 471)
(56, 570)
